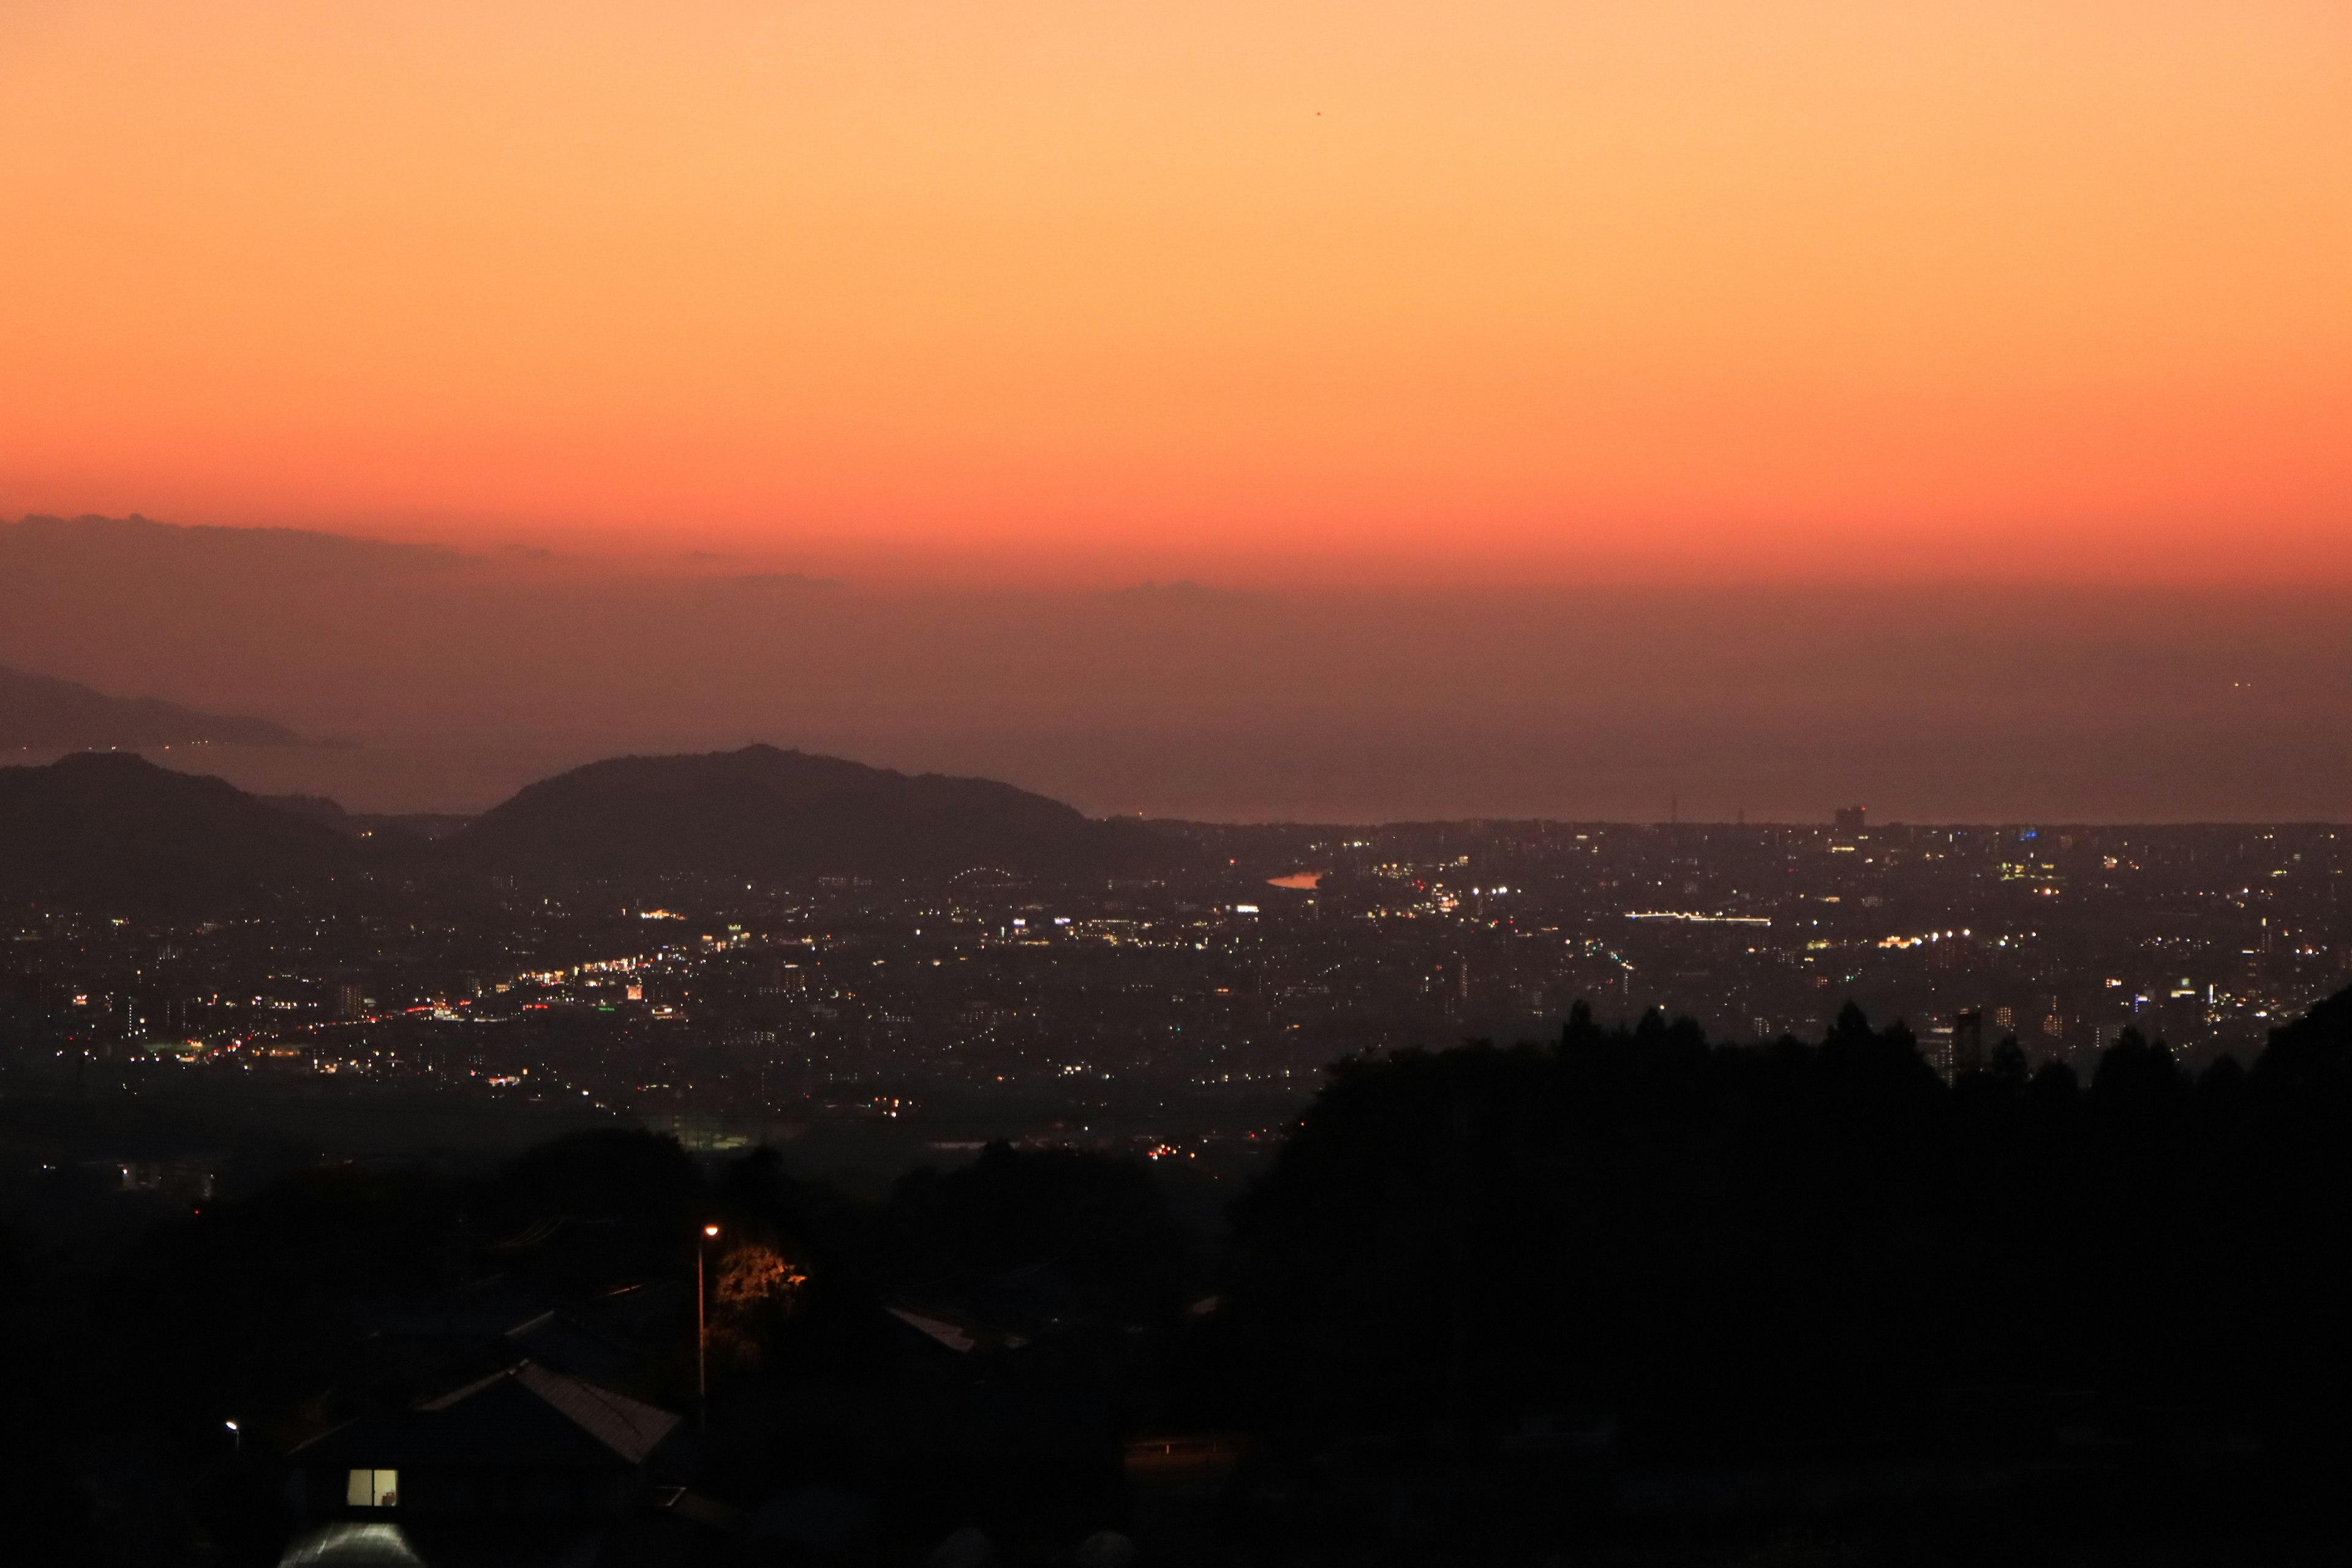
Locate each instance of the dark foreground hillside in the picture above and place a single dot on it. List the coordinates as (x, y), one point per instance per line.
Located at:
(1620, 1298)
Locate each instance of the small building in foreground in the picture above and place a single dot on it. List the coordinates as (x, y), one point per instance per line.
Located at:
(528, 1458)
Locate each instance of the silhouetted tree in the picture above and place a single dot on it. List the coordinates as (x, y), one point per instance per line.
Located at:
(2009, 1064)
(2139, 1071)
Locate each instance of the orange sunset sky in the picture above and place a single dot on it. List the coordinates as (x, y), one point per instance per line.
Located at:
(1252, 289)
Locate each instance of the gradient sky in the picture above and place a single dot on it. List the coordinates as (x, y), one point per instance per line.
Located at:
(1264, 290)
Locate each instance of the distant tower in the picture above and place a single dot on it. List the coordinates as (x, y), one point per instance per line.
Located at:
(1968, 1041)
(1851, 818)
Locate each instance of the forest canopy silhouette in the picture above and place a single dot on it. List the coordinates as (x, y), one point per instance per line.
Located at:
(1803, 1246)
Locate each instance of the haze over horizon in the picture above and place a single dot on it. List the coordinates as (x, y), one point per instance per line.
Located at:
(464, 678)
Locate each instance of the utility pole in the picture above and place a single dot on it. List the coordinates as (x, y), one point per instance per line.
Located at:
(702, 1329)
(1457, 1282)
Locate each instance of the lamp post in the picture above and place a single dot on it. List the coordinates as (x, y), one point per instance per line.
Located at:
(235, 1438)
(702, 1329)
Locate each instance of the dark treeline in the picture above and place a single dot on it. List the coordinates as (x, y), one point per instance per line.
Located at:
(1796, 1245)
(1494, 1302)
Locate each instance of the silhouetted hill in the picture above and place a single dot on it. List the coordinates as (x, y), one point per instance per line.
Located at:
(765, 812)
(40, 713)
(41, 548)
(102, 828)
(315, 808)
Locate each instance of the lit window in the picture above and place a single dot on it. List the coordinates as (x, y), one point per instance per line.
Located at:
(373, 1488)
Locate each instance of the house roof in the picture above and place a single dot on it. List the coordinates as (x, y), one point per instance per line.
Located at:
(630, 1427)
(522, 1414)
(959, 1331)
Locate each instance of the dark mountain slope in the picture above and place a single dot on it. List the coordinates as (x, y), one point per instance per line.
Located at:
(765, 812)
(39, 712)
(111, 830)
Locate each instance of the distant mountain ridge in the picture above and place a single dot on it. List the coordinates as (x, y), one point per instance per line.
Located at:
(136, 543)
(111, 830)
(40, 713)
(763, 811)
